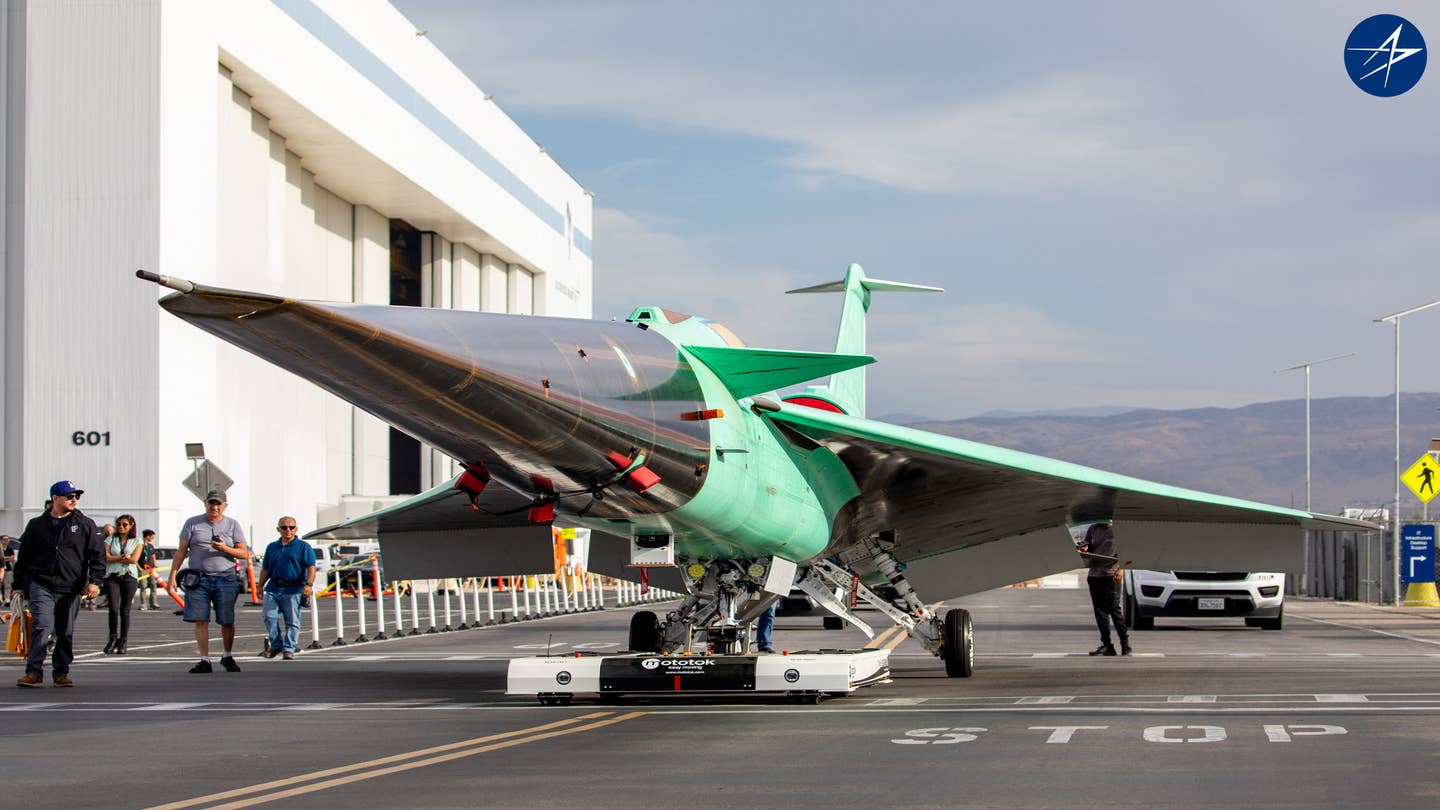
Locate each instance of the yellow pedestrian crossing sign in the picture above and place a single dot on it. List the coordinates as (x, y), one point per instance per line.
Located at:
(1423, 477)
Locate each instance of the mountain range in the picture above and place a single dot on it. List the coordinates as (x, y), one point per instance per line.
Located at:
(1256, 452)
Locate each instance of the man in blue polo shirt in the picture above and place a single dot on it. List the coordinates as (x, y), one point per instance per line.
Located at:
(287, 572)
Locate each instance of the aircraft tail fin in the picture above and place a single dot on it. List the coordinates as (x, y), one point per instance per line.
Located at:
(847, 388)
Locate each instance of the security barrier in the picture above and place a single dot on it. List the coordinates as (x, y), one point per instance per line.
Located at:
(543, 595)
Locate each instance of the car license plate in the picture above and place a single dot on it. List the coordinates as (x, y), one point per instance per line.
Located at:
(1212, 604)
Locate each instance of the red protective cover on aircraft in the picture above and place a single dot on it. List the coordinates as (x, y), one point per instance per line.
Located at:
(812, 402)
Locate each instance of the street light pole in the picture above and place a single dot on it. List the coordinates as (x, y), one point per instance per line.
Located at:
(1307, 366)
(1305, 544)
(1394, 319)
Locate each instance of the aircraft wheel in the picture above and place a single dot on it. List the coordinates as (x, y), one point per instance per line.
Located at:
(834, 623)
(644, 632)
(957, 645)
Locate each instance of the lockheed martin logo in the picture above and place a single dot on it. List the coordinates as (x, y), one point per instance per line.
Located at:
(1385, 55)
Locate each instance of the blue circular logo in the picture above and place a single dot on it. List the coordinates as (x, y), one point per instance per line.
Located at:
(1385, 55)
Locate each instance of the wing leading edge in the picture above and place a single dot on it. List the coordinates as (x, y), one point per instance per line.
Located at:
(972, 516)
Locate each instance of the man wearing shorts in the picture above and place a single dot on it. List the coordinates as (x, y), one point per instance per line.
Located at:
(213, 543)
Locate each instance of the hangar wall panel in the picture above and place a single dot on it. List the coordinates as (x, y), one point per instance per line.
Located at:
(90, 217)
(231, 144)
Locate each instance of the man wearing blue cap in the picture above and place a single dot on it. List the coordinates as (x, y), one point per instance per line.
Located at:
(61, 558)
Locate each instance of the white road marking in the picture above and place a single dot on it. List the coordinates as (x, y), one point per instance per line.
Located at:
(1432, 642)
(1190, 699)
(1062, 734)
(166, 707)
(1049, 700)
(898, 701)
(1341, 699)
(1343, 655)
(1282, 734)
(1161, 734)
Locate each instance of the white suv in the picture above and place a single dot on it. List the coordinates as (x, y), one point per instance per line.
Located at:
(1259, 598)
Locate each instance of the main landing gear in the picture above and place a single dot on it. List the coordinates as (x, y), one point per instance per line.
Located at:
(951, 637)
(725, 596)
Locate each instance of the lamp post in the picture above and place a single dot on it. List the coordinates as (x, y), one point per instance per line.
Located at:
(1305, 548)
(1307, 366)
(1394, 319)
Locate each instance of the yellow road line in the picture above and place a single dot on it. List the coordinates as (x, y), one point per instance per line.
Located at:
(889, 643)
(439, 749)
(884, 636)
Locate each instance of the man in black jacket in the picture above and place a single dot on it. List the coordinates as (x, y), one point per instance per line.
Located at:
(61, 559)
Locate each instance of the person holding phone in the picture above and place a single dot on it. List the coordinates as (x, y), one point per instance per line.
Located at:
(212, 542)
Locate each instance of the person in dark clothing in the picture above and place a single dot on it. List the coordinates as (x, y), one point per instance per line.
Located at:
(8, 547)
(61, 559)
(1104, 582)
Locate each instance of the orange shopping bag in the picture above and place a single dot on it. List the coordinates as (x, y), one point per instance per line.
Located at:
(17, 639)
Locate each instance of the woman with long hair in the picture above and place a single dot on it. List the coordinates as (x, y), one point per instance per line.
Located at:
(122, 577)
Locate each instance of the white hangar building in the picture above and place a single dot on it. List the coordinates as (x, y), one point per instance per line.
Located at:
(315, 149)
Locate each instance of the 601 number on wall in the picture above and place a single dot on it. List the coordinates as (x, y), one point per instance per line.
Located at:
(90, 438)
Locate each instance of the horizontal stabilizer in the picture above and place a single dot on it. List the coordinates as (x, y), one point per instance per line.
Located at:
(870, 284)
(747, 372)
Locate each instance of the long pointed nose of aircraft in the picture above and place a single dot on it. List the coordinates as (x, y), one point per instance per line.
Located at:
(546, 404)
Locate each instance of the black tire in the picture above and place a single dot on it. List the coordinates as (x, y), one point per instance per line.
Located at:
(1277, 623)
(957, 644)
(833, 623)
(644, 632)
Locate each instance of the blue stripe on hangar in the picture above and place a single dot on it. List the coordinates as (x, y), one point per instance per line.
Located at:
(367, 64)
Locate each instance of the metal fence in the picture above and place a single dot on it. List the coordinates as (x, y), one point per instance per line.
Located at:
(1349, 566)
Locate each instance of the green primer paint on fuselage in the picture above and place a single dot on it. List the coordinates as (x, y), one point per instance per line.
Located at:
(761, 496)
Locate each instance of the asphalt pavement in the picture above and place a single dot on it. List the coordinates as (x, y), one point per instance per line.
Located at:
(1341, 707)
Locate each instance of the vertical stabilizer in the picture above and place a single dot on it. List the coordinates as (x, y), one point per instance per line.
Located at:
(847, 388)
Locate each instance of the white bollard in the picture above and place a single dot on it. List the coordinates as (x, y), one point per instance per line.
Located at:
(447, 628)
(399, 618)
(562, 584)
(379, 604)
(414, 610)
(314, 622)
(476, 592)
(360, 600)
(525, 585)
(339, 614)
(489, 598)
(464, 623)
(430, 598)
(514, 604)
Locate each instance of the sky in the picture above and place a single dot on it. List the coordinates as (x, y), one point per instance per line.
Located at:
(1128, 204)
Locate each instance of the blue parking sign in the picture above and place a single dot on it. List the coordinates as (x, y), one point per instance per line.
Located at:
(1417, 552)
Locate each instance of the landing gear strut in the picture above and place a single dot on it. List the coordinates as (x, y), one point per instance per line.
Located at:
(951, 638)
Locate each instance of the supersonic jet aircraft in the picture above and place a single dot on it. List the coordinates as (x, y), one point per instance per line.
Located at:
(664, 436)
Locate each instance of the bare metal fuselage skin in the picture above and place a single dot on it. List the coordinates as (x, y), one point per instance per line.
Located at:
(544, 403)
